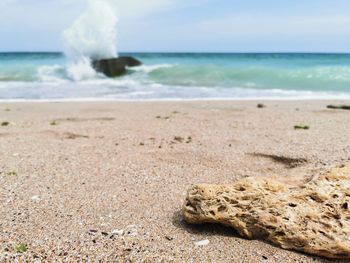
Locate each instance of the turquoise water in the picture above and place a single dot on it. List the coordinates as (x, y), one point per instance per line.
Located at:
(178, 76)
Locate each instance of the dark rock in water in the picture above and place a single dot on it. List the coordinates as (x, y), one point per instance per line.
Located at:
(115, 67)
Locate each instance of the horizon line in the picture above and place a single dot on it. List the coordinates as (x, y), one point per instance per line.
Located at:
(193, 52)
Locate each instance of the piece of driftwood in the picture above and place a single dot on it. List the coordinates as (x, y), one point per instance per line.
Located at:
(314, 218)
(339, 107)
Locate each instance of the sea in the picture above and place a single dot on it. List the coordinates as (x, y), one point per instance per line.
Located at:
(46, 76)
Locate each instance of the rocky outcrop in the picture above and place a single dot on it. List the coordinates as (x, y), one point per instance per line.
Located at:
(314, 218)
(115, 67)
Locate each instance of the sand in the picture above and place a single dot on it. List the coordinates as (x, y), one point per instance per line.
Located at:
(88, 181)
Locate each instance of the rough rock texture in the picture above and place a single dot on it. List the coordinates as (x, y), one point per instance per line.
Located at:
(115, 67)
(314, 218)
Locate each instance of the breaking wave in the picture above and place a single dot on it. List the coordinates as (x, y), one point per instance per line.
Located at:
(177, 76)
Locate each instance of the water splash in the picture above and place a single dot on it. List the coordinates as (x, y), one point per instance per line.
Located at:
(94, 34)
(81, 70)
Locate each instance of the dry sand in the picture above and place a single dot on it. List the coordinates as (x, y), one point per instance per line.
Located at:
(106, 180)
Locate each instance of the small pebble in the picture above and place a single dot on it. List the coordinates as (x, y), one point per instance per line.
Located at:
(5, 123)
(178, 139)
(169, 238)
(36, 198)
(92, 231)
(118, 232)
(131, 230)
(201, 243)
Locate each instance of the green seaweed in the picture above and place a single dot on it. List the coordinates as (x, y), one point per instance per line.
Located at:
(53, 123)
(12, 173)
(5, 123)
(301, 127)
(21, 248)
(165, 118)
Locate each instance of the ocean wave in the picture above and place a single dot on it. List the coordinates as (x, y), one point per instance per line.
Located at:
(151, 68)
(129, 89)
(322, 78)
(23, 73)
(54, 73)
(183, 76)
(315, 78)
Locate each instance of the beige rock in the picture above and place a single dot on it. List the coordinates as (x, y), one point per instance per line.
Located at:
(314, 218)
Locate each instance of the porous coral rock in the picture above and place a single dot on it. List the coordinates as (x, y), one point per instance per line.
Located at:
(313, 218)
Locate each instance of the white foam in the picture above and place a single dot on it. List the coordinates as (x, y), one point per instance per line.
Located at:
(150, 68)
(81, 70)
(51, 74)
(94, 34)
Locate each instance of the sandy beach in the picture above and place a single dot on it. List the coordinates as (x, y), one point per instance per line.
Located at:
(89, 181)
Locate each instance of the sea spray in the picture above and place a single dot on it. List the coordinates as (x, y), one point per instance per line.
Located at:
(81, 70)
(92, 36)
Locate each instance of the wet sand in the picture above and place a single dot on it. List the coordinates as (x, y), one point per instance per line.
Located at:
(89, 181)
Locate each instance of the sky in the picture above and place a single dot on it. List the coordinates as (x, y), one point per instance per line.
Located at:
(187, 25)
